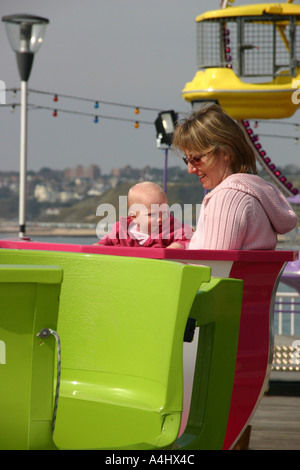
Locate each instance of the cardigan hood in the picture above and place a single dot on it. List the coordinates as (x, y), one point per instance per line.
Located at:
(277, 208)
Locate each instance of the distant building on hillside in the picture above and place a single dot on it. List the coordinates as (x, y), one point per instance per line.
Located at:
(92, 172)
(129, 173)
(44, 192)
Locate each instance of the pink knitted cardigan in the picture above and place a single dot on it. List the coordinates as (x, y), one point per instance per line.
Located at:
(244, 212)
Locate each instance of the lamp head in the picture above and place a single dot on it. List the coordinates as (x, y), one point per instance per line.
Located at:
(165, 125)
(25, 34)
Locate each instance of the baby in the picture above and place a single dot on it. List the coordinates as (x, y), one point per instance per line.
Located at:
(149, 223)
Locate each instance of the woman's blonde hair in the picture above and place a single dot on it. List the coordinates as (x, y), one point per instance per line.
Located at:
(211, 129)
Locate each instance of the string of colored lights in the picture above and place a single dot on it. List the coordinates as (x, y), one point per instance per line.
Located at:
(97, 102)
(276, 136)
(96, 117)
(283, 123)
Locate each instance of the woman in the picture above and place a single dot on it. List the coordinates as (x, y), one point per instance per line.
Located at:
(243, 211)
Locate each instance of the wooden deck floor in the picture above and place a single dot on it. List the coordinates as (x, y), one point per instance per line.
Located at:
(276, 423)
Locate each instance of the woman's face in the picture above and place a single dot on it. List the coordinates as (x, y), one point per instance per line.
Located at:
(209, 175)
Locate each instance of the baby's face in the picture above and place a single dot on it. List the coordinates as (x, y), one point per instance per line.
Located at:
(149, 209)
(151, 217)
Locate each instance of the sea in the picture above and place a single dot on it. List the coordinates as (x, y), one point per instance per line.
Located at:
(90, 240)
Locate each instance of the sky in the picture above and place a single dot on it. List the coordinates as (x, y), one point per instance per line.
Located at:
(125, 52)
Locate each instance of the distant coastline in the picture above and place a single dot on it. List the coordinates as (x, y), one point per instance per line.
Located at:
(50, 230)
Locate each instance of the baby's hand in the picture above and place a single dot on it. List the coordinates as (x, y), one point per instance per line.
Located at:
(176, 245)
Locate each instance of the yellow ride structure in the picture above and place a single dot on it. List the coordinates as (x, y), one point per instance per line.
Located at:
(239, 44)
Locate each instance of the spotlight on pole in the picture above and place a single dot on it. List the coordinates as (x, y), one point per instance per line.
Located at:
(165, 125)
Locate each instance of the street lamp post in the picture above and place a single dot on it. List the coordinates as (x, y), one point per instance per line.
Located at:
(165, 124)
(25, 34)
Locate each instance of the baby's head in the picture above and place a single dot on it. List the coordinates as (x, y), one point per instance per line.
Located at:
(148, 206)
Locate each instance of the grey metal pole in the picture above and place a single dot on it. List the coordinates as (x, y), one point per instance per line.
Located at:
(23, 161)
(166, 171)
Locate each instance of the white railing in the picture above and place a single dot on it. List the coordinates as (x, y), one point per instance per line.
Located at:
(287, 306)
(286, 356)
